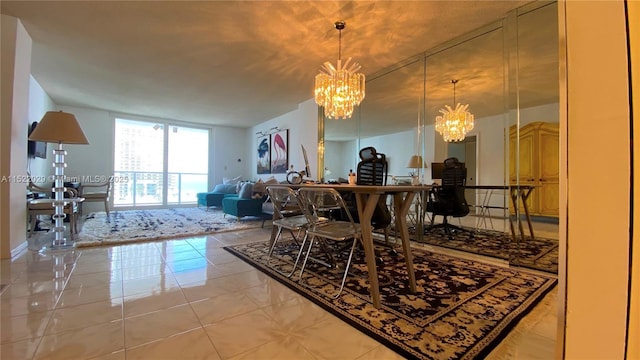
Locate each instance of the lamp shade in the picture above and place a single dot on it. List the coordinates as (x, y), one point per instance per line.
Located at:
(59, 127)
(416, 162)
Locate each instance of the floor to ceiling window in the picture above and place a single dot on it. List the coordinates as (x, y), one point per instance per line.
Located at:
(164, 164)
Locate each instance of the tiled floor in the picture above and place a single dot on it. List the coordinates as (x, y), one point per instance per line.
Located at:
(188, 299)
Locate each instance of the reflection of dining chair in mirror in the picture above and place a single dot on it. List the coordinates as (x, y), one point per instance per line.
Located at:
(97, 192)
(44, 206)
(448, 199)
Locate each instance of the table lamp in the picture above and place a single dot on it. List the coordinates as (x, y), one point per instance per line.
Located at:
(416, 162)
(61, 128)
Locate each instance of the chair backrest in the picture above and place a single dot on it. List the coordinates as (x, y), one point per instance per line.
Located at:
(372, 168)
(450, 195)
(284, 200)
(317, 202)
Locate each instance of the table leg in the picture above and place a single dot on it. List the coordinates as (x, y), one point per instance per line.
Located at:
(401, 208)
(525, 195)
(366, 204)
(514, 202)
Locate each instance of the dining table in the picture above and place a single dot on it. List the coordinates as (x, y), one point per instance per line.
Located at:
(367, 197)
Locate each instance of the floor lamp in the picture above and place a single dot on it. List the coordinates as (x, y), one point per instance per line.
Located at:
(416, 162)
(61, 128)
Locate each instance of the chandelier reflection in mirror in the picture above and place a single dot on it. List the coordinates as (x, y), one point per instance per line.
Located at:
(454, 124)
(339, 89)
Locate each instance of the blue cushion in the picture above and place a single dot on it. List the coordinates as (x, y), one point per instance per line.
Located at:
(225, 188)
(246, 191)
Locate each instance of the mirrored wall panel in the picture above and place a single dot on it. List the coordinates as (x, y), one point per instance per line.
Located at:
(507, 74)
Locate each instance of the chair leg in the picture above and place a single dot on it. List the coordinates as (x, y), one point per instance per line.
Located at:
(33, 221)
(106, 207)
(344, 276)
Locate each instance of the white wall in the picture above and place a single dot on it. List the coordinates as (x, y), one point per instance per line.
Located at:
(15, 68)
(39, 104)
(303, 130)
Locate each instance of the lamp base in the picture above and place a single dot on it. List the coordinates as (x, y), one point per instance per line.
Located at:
(63, 247)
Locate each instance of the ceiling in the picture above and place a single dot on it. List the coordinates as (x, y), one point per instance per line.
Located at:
(233, 63)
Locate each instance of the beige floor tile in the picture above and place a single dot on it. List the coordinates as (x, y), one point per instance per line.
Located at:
(85, 343)
(295, 315)
(21, 327)
(208, 289)
(271, 292)
(161, 324)
(156, 283)
(243, 280)
(80, 316)
(24, 349)
(92, 279)
(198, 275)
(27, 288)
(145, 271)
(222, 307)
(252, 316)
(346, 342)
(380, 352)
(13, 306)
(282, 349)
(193, 344)
(219, 258)
(118, 355)
(86, 266)
(89, 294)
(149, 302)
(197, 263)
(242, 333)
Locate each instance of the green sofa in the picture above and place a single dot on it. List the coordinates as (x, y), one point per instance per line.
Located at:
(215, 196)
(239, 207)
(246, 203)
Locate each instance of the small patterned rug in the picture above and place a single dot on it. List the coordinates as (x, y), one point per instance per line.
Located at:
(145, 225)
(462, 309)
(539, 254)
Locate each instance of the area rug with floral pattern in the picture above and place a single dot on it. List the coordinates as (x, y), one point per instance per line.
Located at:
(539, 253)
(157, 224)
(462, 309)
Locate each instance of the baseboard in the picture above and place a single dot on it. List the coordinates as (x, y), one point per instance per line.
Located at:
(19, 249)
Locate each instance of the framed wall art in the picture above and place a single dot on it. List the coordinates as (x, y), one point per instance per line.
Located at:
(279, 152)
(264, 154)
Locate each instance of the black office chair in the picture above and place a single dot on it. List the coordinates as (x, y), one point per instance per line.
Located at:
(372, 170)
(448, 199)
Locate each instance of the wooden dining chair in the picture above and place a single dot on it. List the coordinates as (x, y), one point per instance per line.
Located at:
(96, 192)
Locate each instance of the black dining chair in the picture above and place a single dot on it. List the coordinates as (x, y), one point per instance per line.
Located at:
(448, 198)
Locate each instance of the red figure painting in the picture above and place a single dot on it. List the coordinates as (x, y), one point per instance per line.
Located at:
(279, 153)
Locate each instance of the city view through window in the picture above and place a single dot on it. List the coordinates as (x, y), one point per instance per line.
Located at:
(164, 164)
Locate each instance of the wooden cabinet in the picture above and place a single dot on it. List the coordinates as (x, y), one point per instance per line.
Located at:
(538, 165)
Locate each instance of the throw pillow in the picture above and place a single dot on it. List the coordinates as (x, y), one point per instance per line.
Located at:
(232, 181)
(246, 191)
(259, 187)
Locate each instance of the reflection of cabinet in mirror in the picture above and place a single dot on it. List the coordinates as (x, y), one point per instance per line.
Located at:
(539, 165)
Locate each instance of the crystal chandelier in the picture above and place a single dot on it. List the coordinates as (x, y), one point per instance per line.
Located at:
(341, 88)
(454, 124)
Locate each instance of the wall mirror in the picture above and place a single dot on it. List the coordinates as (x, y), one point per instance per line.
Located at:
(507, 72)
